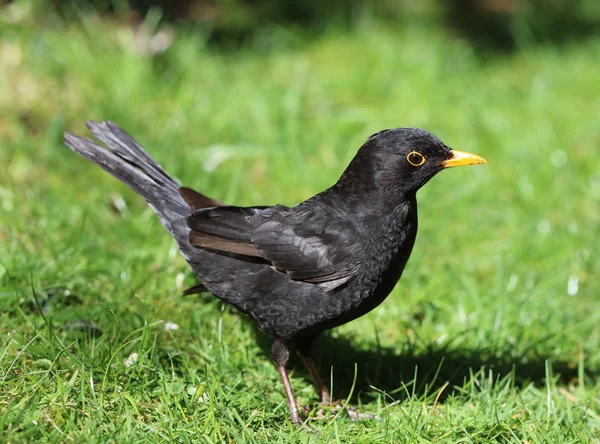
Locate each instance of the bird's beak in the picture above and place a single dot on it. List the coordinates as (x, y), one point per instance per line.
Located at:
(460, 158)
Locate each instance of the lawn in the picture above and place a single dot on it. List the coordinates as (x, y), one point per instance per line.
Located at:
(491, 335)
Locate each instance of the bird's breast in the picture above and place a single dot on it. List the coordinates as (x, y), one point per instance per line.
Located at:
(392, 256)
(385, 252)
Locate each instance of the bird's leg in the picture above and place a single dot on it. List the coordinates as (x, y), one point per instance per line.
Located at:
(304, 347)
(281, 354)
(321, 386)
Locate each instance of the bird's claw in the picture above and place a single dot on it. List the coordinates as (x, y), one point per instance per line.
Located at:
(356, 416)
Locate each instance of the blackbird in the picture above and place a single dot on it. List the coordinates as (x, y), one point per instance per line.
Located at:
(296, 271)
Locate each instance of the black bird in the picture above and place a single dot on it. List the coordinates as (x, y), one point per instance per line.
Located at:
(296, 271)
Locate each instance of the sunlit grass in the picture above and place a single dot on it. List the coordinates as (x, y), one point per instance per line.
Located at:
(491, 334)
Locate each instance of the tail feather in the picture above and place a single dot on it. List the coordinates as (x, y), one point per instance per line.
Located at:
(126, 160)
(124, 146)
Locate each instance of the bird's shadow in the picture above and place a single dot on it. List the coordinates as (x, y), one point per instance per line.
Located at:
(435, 372)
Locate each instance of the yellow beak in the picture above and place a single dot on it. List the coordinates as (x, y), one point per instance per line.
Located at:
(460, 158)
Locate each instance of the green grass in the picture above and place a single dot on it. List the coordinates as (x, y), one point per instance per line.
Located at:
(480, 341)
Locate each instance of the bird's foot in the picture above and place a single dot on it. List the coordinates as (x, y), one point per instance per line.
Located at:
(355, 415)
(300, 421)
(332, 409)
(302, 425)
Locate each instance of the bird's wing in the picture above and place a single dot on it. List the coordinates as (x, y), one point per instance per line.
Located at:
(305, 250)
(311, 248)
(224, 229)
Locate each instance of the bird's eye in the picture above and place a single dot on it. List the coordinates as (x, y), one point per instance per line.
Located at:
(415, 159)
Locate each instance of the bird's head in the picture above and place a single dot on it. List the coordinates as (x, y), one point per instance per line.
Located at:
(400, 161)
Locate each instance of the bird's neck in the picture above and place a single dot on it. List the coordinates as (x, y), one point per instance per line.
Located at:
(366, 198)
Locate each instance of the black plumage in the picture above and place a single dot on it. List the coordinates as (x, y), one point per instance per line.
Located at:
(296, 271)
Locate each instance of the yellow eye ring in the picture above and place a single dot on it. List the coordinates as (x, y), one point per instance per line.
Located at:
(415, 159)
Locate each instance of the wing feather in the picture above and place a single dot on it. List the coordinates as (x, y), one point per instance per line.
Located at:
(307, 247)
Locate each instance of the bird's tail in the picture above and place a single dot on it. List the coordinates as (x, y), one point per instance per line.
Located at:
(126, 160)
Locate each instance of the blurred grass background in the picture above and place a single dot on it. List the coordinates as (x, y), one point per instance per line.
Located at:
(491, 335)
